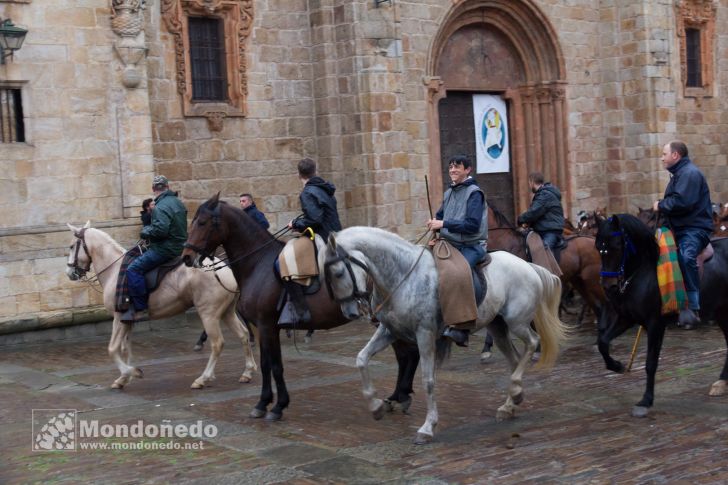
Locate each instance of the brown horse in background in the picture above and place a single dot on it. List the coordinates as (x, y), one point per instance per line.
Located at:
(579, 262)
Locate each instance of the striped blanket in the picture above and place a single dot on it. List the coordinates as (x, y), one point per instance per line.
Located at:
(669, 276)
(122, 301)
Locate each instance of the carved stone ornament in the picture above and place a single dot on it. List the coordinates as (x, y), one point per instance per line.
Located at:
(700, 15)
(127, 18)
(237, 17)
(214, 120)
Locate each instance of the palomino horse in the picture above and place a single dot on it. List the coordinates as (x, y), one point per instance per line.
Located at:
(629, 255)
(251, 252)
(579, 261)
(404, 285)
(180, 289)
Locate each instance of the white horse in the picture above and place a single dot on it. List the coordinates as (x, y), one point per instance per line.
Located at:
(404, 281)
(180, 289)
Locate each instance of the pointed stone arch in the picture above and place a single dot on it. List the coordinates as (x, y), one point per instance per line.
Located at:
(532, 78)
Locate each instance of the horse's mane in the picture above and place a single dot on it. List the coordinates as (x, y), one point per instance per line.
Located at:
(241, 216)
(642, 237)
(500, 218)
(107, 239)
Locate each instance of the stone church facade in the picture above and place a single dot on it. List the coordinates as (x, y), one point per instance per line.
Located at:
(380, 93)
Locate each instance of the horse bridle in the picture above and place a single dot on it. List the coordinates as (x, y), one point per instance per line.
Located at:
(215, 224)
(80, 243)
(361, 297)
(627, 248)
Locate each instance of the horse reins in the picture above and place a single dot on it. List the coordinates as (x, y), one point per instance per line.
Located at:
(627, 248)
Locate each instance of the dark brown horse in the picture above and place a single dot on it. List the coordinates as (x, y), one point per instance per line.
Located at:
(252, 252)
(579, 261)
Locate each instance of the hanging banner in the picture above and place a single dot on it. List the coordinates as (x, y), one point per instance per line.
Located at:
(491, 134)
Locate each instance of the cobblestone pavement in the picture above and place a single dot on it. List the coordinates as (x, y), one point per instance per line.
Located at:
(573, 427)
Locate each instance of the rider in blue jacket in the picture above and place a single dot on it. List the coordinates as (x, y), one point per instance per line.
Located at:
(686, 205)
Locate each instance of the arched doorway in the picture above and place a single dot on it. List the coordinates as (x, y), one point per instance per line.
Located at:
(508, 49)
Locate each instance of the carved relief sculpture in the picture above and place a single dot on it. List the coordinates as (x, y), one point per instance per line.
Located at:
(127, 20)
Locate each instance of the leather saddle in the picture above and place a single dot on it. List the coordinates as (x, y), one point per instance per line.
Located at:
(154, 277)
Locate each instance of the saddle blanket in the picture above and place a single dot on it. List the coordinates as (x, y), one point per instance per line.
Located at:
(540, 255)
(455, 285)
(669, 276)
(122, 300)
(298, 262)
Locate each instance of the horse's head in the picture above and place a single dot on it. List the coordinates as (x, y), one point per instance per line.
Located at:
(346, 279)
(79, 258)
(648, 217)
(588, 222)
(206, 233)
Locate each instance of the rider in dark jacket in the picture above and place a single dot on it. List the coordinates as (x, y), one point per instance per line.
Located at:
(686, 204)
(248, 205)
(317, 202)
(167, 234)
(545, 216)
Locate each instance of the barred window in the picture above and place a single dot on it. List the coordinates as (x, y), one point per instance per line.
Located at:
(692, 58)
(12, 128)
(207, 57)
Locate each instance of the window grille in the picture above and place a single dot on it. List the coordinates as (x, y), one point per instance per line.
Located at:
(12, 128)
(692, 56)
(207, 56)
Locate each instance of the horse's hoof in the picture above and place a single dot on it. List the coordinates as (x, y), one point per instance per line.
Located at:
(378, 413)
(245, 379)
(197, 347)
(307, 339)
(503, 414)
(271, 416)
(405, 405)
(138, 373)
(485, 357)
(718, 388)
(617, 367)
(388, 406)
(518, 398)
(116, 385)
(536, 356)
(423, 439)
(639, 412)
(197, 385)
(257, 413)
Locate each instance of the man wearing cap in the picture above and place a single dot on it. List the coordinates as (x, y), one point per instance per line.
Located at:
(167, 234)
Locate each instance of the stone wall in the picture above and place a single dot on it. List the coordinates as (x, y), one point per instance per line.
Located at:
(341, 81)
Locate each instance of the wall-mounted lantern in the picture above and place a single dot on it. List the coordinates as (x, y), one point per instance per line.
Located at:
(11, 39)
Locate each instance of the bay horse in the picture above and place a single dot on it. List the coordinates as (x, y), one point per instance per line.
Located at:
(252, 252)
(579, 261)
(404, 296)
(629, 254)
(180, 289)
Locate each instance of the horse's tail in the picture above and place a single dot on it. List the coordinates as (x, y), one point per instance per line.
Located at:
(551, 330)
(442, 349)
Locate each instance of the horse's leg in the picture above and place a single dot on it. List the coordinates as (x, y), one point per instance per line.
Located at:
(607, 323)
(655, 334)
(486, 353)
(426, 344)
(241, 331)
(265, 343)
(719, 387)
(522, 330)
(212, 328)
(276, 413)
(117, 342)
(408, 357)
(380, 340)
(200, 342)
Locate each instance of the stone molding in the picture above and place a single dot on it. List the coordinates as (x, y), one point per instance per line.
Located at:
(237, 18)
(700, 15)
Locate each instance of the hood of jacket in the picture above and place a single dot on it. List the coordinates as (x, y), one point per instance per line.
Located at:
(552, 189)
(317, 181)
(468, 181)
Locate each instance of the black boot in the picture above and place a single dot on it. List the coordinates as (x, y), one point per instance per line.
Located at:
(295, 294)
(459, 336)
(688, 319)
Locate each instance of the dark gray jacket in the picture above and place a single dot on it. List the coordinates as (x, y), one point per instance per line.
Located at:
(319, 208)
(687, 198)
(545, 213)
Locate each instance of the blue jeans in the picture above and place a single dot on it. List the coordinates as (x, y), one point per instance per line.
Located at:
(135, 276)
(690, 243)
(473, 254)
(551, 239)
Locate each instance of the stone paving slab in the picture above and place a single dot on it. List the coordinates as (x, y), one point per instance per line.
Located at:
(573, 427)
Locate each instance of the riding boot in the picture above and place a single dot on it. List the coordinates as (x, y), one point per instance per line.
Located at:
(457, 335)
(688, 319)
(297, 299)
